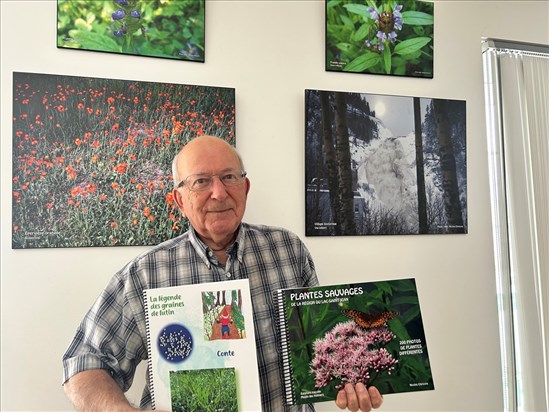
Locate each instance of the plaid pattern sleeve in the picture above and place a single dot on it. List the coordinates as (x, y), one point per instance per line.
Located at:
(112, 335)
(108, 338)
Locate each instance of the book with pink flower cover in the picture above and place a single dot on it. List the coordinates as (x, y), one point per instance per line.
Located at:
(369, 332)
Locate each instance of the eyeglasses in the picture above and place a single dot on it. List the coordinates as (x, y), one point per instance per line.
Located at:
(203, 181)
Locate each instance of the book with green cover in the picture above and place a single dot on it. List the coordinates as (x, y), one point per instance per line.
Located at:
(369, 332)
(201, 347)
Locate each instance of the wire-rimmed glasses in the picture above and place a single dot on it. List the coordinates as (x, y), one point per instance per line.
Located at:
(203, 181)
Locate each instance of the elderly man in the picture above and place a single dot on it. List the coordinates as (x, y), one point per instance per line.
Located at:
(211, 190)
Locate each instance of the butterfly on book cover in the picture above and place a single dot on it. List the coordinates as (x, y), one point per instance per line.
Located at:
(369, 320)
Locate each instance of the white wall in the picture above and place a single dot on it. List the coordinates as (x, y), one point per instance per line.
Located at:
(270, 51)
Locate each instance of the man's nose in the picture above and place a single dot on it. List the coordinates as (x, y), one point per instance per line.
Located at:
(219, 190)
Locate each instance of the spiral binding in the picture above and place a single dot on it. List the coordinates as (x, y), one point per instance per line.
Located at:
(149, 349)
(285, 348)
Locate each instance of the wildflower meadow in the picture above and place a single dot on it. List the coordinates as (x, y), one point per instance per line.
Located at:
(380, 37)
(92, 157)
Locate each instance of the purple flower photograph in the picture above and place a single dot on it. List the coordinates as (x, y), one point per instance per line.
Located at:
(380, 37)
(165, 29)
(348, 353)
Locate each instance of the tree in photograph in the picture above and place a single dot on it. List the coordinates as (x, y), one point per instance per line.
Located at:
(343, 156)
(420, 170)
(331, 163)
(316, 126)
(448, 167)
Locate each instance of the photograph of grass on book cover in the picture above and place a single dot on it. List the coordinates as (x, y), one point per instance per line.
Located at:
(366, 332)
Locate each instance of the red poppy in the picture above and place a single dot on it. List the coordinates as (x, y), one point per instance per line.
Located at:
(121, 168)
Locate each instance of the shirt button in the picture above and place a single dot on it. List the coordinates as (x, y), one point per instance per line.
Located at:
(229, 274)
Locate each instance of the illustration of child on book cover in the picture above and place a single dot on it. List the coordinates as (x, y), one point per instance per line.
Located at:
(223, 318)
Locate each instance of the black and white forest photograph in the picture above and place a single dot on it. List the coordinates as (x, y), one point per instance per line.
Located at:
(384, 165)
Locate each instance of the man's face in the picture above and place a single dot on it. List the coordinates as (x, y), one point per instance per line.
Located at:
(216, 212)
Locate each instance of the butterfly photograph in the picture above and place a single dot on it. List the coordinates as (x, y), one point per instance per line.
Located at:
(369, 320)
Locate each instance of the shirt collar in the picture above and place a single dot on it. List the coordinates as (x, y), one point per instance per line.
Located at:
(202, 250)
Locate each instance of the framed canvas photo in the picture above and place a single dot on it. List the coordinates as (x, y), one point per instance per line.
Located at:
(92, 157)
(384, 165)
(172, 29)
(380, 37)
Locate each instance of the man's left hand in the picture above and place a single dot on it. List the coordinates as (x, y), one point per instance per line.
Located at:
(358, 398)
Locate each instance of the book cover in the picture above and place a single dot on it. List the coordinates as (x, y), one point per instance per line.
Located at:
(201, 345)
(369, 332)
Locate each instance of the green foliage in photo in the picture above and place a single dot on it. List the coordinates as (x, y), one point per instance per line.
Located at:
(308, 323)
(159, 28)
(380, 37)
(206, 390)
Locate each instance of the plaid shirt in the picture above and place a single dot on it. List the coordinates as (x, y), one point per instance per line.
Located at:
(112, 335)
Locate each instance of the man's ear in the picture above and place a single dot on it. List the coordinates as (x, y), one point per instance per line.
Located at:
(178, 199)
(247, 186)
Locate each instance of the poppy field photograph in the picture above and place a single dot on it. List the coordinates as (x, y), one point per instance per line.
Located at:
(172, 29)
(92, 157)
(380, 37)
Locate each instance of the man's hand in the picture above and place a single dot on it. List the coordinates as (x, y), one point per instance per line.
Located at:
(359, 398)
